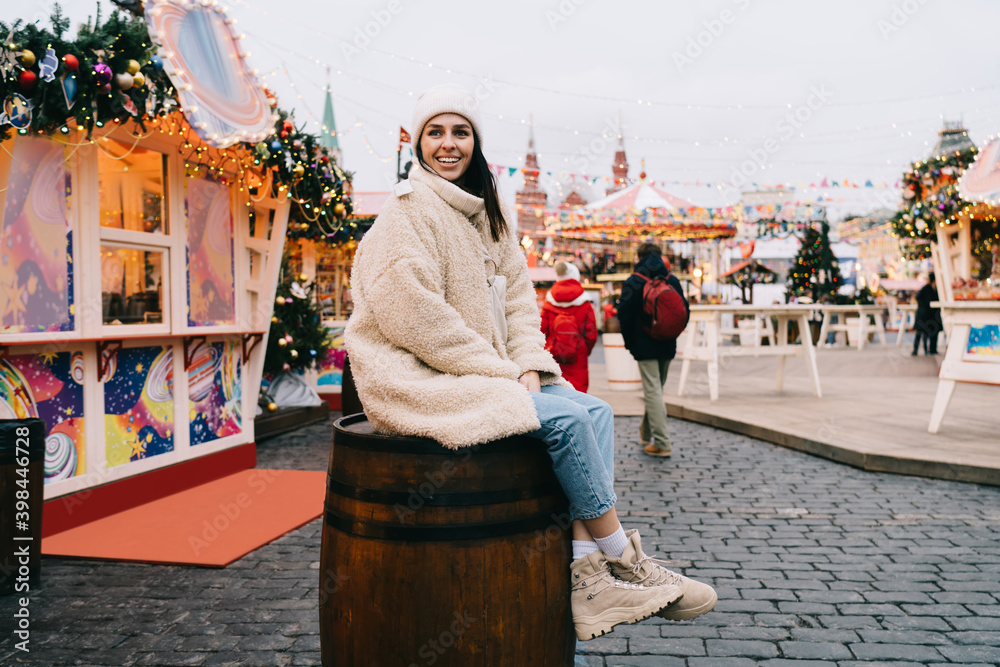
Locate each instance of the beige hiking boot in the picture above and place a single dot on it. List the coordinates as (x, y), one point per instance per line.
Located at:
(636, 567)
(600, 601)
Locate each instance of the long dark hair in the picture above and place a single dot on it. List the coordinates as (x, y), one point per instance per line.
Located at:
(478, 180)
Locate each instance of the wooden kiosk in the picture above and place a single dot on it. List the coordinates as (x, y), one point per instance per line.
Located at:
(140, 242)
(967, 258)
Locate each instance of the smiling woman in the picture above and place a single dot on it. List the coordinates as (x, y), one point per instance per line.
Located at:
(445, 342)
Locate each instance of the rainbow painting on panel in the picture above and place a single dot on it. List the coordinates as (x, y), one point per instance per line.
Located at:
(48, 386)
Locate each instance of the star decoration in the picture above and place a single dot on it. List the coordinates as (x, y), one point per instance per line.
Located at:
(48, 357)
(138, 367)
(138, 449)
(14, 302)
(69, 410)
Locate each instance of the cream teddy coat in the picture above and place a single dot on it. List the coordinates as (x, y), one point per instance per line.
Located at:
(425, 353)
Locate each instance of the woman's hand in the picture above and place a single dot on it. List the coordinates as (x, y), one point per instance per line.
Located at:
(531, 381)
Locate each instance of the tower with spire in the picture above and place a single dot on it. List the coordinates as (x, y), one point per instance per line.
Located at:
(620, 167)
(953, 137)
(328, 137)
(530, 198)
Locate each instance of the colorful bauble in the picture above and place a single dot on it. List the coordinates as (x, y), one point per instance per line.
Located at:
(103, 73)
(124, 81)
(281, 342)
(295, 354)
(71, 61)
(303, 278)
(27, 58)
(275, 145)
(138, 80)
(274, 319)
(340, 209)
(298, 171)
(280, 301)
(26, 80)
(157, 63)
(133, 67)
(272, 407)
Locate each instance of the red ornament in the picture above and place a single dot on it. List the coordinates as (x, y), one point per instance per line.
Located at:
(72, 63)
(27, 80)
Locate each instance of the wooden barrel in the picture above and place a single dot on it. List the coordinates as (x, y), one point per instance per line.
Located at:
(434, 556)
(22, 476)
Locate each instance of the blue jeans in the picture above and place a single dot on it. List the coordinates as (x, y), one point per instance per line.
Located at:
(579, 432)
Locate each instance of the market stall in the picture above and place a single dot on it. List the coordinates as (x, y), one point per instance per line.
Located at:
(967, 257)
(173, 172)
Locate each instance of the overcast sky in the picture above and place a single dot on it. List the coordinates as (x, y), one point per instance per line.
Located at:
(732, 91)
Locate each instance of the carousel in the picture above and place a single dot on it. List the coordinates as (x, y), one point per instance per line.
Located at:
(643, 211)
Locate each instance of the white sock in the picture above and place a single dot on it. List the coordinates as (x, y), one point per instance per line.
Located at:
(614, 544)
(583, 548)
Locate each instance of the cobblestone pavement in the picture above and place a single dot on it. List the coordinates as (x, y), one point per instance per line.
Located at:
(815, 563)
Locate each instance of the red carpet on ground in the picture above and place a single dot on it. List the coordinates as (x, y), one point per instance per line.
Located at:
(211, 525)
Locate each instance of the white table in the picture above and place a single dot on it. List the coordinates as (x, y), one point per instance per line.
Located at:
(863, 313)
(959, 364)
(702, 342)
(907, 320)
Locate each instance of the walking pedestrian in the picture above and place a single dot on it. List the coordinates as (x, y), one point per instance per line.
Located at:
(653, 356)
(570, 326)
(445, 342)
(927, 323)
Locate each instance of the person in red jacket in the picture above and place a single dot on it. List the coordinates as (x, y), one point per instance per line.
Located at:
(570, 326)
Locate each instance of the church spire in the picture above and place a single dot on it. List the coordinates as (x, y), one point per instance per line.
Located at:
(620, 166)
(530, 199)
(328, 137)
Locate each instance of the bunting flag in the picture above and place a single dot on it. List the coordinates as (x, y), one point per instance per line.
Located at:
(404, 136)
(577, 178)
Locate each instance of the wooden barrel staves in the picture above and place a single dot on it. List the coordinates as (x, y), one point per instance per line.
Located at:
(435, 556)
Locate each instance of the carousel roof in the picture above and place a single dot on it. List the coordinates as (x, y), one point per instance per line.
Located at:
(643, 210)
(639, 197)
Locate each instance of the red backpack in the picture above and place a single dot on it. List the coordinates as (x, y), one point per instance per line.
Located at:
(666, 308)
(565, 342)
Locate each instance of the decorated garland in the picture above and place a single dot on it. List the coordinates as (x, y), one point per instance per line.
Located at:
(930, 197)
(110, 75)
(49, 84)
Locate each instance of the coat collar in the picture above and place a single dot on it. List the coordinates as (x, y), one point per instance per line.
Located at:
(467, 204)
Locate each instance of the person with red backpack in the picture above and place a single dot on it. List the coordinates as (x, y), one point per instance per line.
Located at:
(570, 326)
(652, 312)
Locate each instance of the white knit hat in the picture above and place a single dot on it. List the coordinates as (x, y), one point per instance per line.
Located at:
(445, 98)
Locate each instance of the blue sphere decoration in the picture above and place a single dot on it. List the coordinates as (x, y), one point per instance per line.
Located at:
(157, 63)
(312, 353)
(275, 145)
